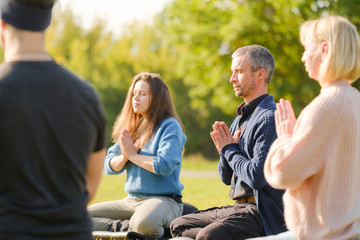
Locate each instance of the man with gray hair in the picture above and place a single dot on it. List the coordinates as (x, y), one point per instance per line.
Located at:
(258, 208)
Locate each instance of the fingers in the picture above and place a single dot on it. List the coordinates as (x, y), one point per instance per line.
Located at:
(226, 129)
(284, 111)
(284, 118)
(237, 135)
(213, 137)
(137, 143)
(217, 128)
(222, 129)
(277, 116)
(291, 111)
(222, 136)
(125, 141)
(218, 135)
(288, 106)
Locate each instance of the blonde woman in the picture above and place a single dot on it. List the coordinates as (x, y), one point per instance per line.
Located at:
(149, 140)
(317, 157)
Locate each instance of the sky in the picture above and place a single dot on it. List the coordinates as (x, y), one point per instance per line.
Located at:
(115, 12)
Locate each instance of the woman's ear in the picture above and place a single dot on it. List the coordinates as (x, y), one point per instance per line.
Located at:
(324, 49)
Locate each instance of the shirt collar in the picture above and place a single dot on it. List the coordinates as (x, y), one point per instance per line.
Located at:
(247, 109)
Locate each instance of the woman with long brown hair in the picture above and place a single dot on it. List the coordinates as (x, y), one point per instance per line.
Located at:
(149, 139)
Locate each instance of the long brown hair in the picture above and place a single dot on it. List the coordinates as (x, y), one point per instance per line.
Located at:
(161, 107)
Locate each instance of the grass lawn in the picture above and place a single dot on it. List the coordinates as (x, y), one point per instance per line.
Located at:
(201, 191)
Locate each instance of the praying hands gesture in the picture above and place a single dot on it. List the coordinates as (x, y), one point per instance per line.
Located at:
(130, 151)
(222, 136)
(128, 147)
(284, 118)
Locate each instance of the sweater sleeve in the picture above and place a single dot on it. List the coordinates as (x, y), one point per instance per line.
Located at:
(292, 159)
(113, 151)
(225, 170)
(169, 153)
(251, 171)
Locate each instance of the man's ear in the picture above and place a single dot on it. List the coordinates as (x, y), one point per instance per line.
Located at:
(261, 74)
(2, 24)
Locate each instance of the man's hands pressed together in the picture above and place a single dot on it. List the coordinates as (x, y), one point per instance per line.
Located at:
(222, 136)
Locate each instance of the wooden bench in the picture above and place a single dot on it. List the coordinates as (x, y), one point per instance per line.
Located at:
(104, 235)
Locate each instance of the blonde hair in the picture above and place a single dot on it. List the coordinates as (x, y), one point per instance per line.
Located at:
(161, 107)
(343, 58)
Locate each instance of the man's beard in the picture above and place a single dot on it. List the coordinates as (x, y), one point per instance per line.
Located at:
(245, 90)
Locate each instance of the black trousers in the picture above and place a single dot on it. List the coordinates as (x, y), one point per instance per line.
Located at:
(238, 221)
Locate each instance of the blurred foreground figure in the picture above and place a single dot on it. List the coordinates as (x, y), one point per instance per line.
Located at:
(52, 133)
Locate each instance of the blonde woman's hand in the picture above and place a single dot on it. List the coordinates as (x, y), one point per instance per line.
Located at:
(284, 118)
(128, 148)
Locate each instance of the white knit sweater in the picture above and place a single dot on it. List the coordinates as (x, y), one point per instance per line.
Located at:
(319, 165)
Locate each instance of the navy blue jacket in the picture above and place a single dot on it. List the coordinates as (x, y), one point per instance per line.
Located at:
(245, 161)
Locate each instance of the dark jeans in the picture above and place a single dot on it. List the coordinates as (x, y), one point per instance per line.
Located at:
(238, 221)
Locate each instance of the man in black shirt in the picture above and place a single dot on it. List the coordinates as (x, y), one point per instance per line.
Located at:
(52, 130)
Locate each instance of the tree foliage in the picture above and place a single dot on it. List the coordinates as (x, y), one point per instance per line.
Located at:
(190, 44)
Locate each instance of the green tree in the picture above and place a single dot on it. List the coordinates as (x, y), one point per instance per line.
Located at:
(190, 44)
(203, 34)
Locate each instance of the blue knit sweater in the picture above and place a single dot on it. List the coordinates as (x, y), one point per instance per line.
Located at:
(246, 160)
(166, 146)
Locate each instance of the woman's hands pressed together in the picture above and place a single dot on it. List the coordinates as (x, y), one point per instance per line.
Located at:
(130, 151)
(128, 147)
(284, 118)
